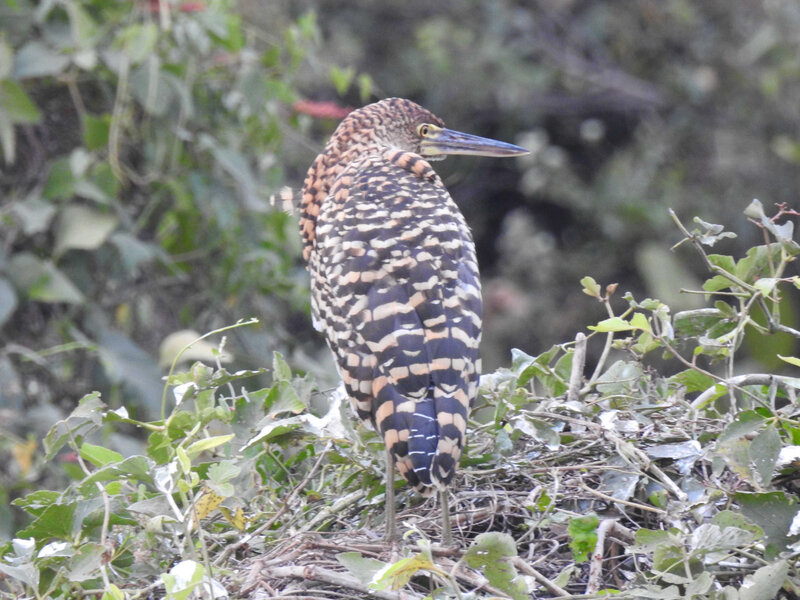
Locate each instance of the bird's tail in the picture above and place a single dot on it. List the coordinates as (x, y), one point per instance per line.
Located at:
(428, 442)
(423, 440)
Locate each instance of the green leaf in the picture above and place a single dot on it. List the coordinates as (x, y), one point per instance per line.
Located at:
(223, 471)
(27, 573)
(712, 234)
(612, 324)
(137, 41)
(60, 182)
(723, 261)
(736, 453)
(755, 210)
(647, 540)
(283, 398)
(82, 228)
(591, 287)
(729, 518)
(86, 417)
(275, 429)
(365, 86)
(773, 512)
(490, 553)
(86, 562)
(280, 368)
(693, 380)
(582, 532)
(766, 285)
(744, 423)
(7, 139)
(668, 560)
(717, 283)
(620, 376)
(15, 104)
(792, 360)
(55, 521)
(537, 429)
(639, 321)
(135, 468)
(40, 280)
(152, 87)
(699, 585)
(709, 539)
(201, 446)
(95, 131)
(6, 58)
(99, 456)
(395, 576)
(757, 262)
(764, 451)
(341, 78)
(8, 300)
(183, 459)
(765, 583)
(37, 501)
(82, 25)
(33, 214)
(361, 567)
(182, 579)
(35, 59)
(112, 592)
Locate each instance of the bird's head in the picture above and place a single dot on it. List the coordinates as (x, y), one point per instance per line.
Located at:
(405, 125)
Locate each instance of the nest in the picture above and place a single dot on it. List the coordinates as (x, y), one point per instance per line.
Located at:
(531, 498)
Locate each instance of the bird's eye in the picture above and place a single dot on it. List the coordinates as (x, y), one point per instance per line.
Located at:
(423, 130)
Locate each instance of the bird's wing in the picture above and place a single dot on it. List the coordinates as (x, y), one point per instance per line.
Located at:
(396, 284)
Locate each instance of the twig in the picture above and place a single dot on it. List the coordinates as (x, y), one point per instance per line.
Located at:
(625, 449)
(606, 348)
(709, 265)
(337, 507)
(596, 562)
(631, 453)
(608, 498)
(693, 366)
(106, 509)
(476, 580)
(578, 363)
(529, 570)
(740, 381)
(772, 324)
(339, 579)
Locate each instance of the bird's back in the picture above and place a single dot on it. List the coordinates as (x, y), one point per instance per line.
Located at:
(395, 288)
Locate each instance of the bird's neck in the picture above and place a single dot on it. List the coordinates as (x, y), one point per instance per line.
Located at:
(329, 165)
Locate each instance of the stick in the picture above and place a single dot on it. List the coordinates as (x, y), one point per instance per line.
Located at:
(339, 579)
(576, 373)
(596, 563)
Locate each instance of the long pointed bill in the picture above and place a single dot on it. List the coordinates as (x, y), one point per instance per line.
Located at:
(442, 142)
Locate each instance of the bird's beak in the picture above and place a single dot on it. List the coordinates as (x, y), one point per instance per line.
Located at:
(442, 142)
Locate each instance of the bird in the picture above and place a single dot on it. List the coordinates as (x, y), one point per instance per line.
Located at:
(395, 286)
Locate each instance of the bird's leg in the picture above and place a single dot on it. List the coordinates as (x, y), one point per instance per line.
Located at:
(391, 523)
(447, 536)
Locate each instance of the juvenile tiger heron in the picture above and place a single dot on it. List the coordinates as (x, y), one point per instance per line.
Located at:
(395, 285)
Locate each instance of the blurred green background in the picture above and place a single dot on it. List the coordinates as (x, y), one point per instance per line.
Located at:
(141, 142)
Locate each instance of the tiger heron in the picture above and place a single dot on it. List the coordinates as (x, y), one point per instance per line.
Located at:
(395, 285)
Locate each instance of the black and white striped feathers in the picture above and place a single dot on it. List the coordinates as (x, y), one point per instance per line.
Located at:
(395, 286)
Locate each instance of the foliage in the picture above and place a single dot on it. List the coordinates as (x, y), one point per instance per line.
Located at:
(698, 468)
(142, 139)
(628, 109)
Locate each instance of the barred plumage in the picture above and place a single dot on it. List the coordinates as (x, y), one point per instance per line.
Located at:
(395, 284)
